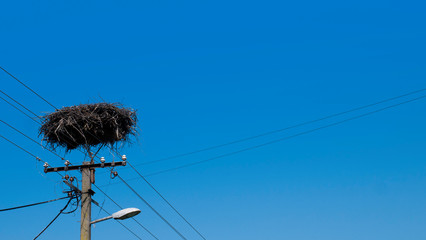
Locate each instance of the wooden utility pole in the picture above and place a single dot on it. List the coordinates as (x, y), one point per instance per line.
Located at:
(86, 204)
(88, 178)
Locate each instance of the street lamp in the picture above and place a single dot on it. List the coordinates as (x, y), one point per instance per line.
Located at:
(120, 215)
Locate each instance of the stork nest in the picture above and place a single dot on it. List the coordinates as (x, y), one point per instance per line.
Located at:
(88, 125)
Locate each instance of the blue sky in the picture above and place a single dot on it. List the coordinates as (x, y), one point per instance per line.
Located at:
(202, 73)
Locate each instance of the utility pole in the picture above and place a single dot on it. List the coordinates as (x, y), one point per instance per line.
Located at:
(88, 178)
(86, 204)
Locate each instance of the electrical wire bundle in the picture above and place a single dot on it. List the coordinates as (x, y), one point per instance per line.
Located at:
(73, 199)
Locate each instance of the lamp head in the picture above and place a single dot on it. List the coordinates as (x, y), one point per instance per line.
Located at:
(126, 213)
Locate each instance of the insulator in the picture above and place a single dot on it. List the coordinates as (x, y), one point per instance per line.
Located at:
(102, 159)
(124, 158)
(113, 174)
(45, 165)
(67, 163)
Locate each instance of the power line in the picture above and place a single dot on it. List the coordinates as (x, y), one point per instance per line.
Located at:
(20, 104)
(165, 200)
(168, 203)
(23, 84)
(283, 129)
(122, 208)
(285, 138)
(33, 204)
(23, 149)
(60, 212)
(150, 205)
(152, 208)
(20, 110)
(7, 124)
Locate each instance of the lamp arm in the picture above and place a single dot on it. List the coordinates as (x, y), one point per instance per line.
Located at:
(100, 220)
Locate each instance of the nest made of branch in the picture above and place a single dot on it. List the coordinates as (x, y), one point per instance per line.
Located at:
(88, 125)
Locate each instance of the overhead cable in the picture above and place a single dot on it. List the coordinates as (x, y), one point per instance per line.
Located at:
(11, 98)
(122, 208)
(284, 138)
(20, 132)
(11, 104)
(33, 204)
(283, 129)
(60, 212)
(151, 207)
(165, 200)
(23, 84)
(23, 149)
